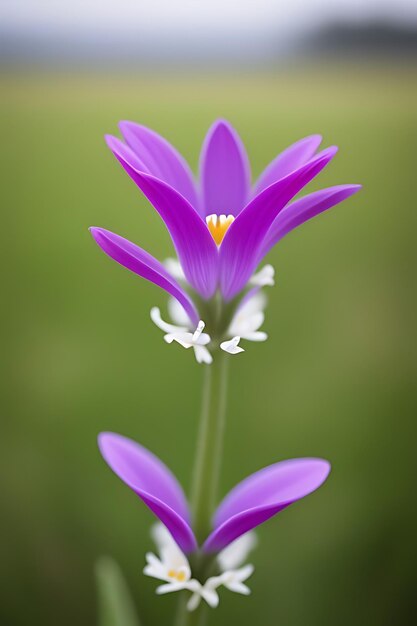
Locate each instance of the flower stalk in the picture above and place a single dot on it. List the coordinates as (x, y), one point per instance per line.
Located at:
(209, 446)
(199, 617)
(207, 466)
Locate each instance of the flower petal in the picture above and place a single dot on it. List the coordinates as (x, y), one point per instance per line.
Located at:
(177, 313)
(194, 602)
(165, 326)
(238, 588)
(262, 495)
(154, 567)
(210, 596)
(224, 171)
(193, 242)
(264, 278)
(232, 346)
(145, 265)
(153, 482)
(239, 252)
(202, 355)
(303, 210)
(249, 316)
(171, 588)
(236, 553)
(160, 158)
(289, 160)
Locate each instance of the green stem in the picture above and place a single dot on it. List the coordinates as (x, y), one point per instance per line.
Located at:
(196, 618)
(207, 467)
(209, 446)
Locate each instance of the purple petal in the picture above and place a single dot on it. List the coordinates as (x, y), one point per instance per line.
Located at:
(303, 210)
(289, 160)
(224, 171)
(239, 252)
(153, 482)
(140, 262)
(160, 158)
(262, 495)
(196, 249)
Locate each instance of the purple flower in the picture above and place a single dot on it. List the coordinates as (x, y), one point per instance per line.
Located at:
(250, 503)
(221, 229)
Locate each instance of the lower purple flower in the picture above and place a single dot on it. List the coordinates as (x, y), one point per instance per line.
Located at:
(253, 501)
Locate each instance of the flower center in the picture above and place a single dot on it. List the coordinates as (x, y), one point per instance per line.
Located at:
(218, 226)
(180, 576)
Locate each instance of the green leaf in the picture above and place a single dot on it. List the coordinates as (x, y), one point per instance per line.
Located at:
(115, 605)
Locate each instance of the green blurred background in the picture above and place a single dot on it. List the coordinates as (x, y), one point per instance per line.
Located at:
(336, 378)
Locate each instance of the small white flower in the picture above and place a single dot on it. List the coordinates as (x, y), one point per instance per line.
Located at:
(232, 580)
(177, 313)
(181, 334)
(231, 346)
(246, 323)
(174, 268)
(264, 278)
(173, 568)
(206, 592)
(249, 318)
(236, 553)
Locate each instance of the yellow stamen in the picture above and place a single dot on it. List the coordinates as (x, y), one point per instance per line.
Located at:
(218, 226)
(180, 576)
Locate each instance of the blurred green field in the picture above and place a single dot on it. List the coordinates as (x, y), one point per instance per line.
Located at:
(336, 378)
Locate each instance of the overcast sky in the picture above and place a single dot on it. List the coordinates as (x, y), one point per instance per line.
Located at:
(176, 31)
(197, 16)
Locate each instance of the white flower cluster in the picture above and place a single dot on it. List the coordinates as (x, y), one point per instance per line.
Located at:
(173, 568)
(245, 324)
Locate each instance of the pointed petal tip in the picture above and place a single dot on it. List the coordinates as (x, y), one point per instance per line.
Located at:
(99, 233)
(106, 440)
(347, 190)
(95, 232)
(315, 137)
(312, 141)
(125, 155)
(127, 127)
(322, 466)
(221, 125)
(316, 466)
(325, 155)
(116, 145)
(112, 141)
(128, 124)
(330, 151)
(315, 140)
